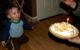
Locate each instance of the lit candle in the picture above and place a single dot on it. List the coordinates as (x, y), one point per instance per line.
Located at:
(68, 19)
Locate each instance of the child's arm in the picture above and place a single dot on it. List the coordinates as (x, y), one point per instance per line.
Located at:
(5, 34)
(27, 26)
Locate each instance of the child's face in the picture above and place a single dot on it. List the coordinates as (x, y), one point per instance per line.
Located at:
(14, 14)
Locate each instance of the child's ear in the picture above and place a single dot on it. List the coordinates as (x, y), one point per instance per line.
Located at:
(8, 16)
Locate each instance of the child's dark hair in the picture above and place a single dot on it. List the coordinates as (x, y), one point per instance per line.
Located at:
(8, 8)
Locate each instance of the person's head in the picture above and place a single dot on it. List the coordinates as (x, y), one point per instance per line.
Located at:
(13, 13)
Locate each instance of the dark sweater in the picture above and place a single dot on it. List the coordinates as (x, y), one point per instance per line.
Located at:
(6, 30)
(71, 11)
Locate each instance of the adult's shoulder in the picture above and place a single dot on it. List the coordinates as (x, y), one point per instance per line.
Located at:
(67, 7)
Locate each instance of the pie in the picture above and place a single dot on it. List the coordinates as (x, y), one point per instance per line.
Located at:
(63, 30)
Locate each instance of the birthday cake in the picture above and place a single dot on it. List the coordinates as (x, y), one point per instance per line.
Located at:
(63, 30)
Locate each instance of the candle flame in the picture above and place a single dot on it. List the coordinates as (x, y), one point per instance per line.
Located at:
(68, 20)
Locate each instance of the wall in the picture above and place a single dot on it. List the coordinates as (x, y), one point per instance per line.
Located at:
(47, 8)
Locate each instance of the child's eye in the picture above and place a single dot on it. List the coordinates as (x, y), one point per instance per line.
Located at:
(14, 13)
(18, 11)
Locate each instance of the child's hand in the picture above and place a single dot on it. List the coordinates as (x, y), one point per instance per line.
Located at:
(3, 43)
(75, 40)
